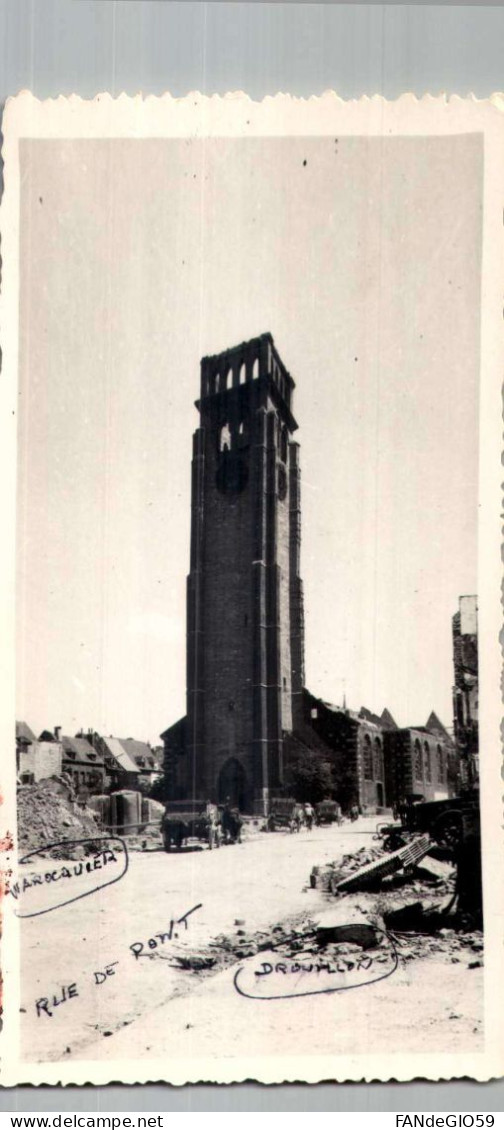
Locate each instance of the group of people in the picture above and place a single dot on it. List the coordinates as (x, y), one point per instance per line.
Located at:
(303, 814)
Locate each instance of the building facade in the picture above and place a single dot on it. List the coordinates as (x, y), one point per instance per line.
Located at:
(466, 688)
(419, 763)
(82, 764)
(377, 764)
(37, 760)
(357, 757)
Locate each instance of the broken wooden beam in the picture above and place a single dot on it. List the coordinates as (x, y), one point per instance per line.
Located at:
(394, 861)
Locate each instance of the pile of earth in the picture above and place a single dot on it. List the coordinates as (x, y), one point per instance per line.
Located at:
(48, 812)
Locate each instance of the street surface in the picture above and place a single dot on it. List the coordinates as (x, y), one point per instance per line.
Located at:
(105, 966)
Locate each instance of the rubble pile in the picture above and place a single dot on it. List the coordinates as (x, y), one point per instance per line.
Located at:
(47, 812)
(326, 878)
(416, 906)
(228, 949)
(327, 937)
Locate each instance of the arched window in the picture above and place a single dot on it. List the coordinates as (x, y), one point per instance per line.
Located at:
(255, 369)
(368, 758)
(225, 438)
(427, 762)
(417, 758)
(243, 373)
(378, 760)
(440, 764)
(283, 444)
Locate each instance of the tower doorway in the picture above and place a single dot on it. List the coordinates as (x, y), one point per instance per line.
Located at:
(232, 784)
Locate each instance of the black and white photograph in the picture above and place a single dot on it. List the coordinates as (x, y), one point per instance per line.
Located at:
(252, 401)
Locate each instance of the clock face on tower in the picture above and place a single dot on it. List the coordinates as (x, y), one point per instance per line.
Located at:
(232, 473)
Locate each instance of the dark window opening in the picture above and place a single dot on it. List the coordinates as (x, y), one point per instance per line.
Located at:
(418, 761)
(368, 758)
(283, 445)
(428, 763)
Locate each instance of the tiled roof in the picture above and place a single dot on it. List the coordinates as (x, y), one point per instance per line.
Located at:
(81, 750)
(116, 749)
(140, 752)
(24, 733)
(131, 755)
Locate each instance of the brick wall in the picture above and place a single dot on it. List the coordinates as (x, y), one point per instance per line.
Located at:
(417, 762)
(239, 595)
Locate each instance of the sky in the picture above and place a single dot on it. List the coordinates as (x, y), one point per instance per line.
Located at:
(138, 257)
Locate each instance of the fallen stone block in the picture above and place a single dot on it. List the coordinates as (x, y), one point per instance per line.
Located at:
(415, 917)
(345, 923)
(320, 877)
(437, 869)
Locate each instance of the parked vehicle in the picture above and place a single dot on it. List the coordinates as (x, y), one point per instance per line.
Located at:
(285, 813)
(328, 812)
(195, 820)
(448, 822)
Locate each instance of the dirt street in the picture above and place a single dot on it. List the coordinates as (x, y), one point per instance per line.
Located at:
(107, 964)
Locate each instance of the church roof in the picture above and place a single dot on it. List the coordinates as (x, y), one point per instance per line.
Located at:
(435, 726)
(368, 716)
(388, 721)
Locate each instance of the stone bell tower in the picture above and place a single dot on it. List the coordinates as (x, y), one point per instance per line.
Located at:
(244, 593)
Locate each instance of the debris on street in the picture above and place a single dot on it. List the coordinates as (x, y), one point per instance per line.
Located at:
(48, 812)
(387, 864)
(425, 903)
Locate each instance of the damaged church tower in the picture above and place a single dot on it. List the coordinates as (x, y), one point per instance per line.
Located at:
(244, 593)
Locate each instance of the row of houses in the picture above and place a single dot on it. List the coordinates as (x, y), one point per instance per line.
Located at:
(95, 763)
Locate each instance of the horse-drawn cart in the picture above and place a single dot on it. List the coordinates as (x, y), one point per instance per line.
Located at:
(190, 820)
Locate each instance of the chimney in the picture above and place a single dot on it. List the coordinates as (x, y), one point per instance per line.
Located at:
(57, 733)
